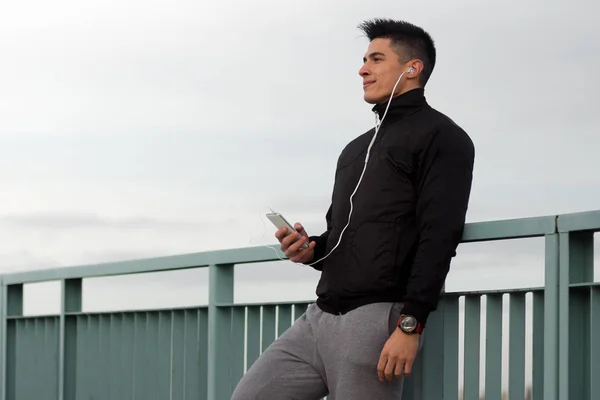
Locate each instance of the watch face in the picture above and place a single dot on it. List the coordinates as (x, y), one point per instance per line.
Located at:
(408, 324)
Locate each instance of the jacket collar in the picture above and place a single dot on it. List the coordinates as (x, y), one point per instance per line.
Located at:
(403, 105)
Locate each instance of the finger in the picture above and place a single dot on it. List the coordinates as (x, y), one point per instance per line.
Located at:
(408, 367)
(306, 255)
(280, 234)
(283, 233)
(398, 370)
(389, 369)
(297, 245)
(381, 366)
(288, 239)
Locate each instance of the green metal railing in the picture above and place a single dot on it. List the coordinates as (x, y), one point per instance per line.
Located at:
(201, 352)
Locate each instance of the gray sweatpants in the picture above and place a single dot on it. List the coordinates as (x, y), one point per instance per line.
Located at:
(326, 355)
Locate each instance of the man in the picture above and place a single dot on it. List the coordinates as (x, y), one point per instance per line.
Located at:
(387, 250)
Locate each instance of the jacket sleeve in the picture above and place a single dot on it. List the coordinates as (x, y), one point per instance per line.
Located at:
(443, 191)
(321, 242)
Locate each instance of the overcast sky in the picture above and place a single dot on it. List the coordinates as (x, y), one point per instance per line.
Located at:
(147, 128)
(158, 128)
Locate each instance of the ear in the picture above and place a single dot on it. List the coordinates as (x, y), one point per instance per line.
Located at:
(417, 67)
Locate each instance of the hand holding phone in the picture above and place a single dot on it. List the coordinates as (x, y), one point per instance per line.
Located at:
(280, 222)
(294, 242)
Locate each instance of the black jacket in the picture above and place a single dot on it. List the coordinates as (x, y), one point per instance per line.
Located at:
(408, 213)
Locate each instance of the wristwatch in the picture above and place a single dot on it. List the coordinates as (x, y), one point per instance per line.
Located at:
(409, 324)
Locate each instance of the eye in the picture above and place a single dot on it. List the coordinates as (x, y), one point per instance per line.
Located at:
(377, 59)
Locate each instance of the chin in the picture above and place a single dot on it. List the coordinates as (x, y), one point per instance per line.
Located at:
(371, 99)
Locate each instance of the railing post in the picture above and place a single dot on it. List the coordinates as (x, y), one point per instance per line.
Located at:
(71, 299)
(576, 267)
(13, 307)
(2, 339)
(551, 363)
(220, 294)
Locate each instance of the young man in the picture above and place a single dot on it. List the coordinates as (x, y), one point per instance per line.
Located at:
(388, 245)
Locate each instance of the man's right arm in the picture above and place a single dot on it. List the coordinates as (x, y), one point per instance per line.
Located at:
(321, 243)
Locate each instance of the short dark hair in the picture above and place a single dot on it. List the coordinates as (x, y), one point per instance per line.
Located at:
(413, 40)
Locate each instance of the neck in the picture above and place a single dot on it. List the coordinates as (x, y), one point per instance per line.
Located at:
(405, 89)
(405, 103)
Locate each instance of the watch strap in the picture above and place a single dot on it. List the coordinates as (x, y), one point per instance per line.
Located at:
(418, 330)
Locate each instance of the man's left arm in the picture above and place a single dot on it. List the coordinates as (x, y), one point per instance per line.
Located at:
(443, 192)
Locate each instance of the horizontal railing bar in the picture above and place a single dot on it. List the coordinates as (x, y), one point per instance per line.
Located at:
(494, 291)
(140, 310)
(37, 316)
(509, 229)
(447, 294)
(158, 264)
(107, 312)
(281, 303)
(474, 232)
(581, 221)
(584, 285)
(273, 303)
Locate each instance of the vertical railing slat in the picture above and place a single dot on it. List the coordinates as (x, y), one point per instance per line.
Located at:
(595, 342)
(268, 326)
(139, 360)
(71, 302)
(253, 339)
(178, 356)
(493, 347)
(472, 346)
(538, 346)
(578, 342)
(152, 347)
(116, 371)
(516, 346)
(13, 307)
(451, 343)
(284, 318)
(163, 356)
(3, 332)
(238, 341)
(202, 348)
(21, 359)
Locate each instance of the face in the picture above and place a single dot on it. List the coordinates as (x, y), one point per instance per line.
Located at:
(380, 72)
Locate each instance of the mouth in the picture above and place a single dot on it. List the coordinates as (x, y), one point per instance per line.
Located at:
(367, 83)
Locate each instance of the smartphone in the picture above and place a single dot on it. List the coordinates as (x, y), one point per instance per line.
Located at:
(280, 222)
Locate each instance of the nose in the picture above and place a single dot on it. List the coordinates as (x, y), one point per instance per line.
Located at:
(364, 71)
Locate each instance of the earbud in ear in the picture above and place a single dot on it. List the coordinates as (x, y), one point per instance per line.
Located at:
(411, 70)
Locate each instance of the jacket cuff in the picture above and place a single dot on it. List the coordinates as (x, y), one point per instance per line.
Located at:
(419, 311)
(319, 251)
